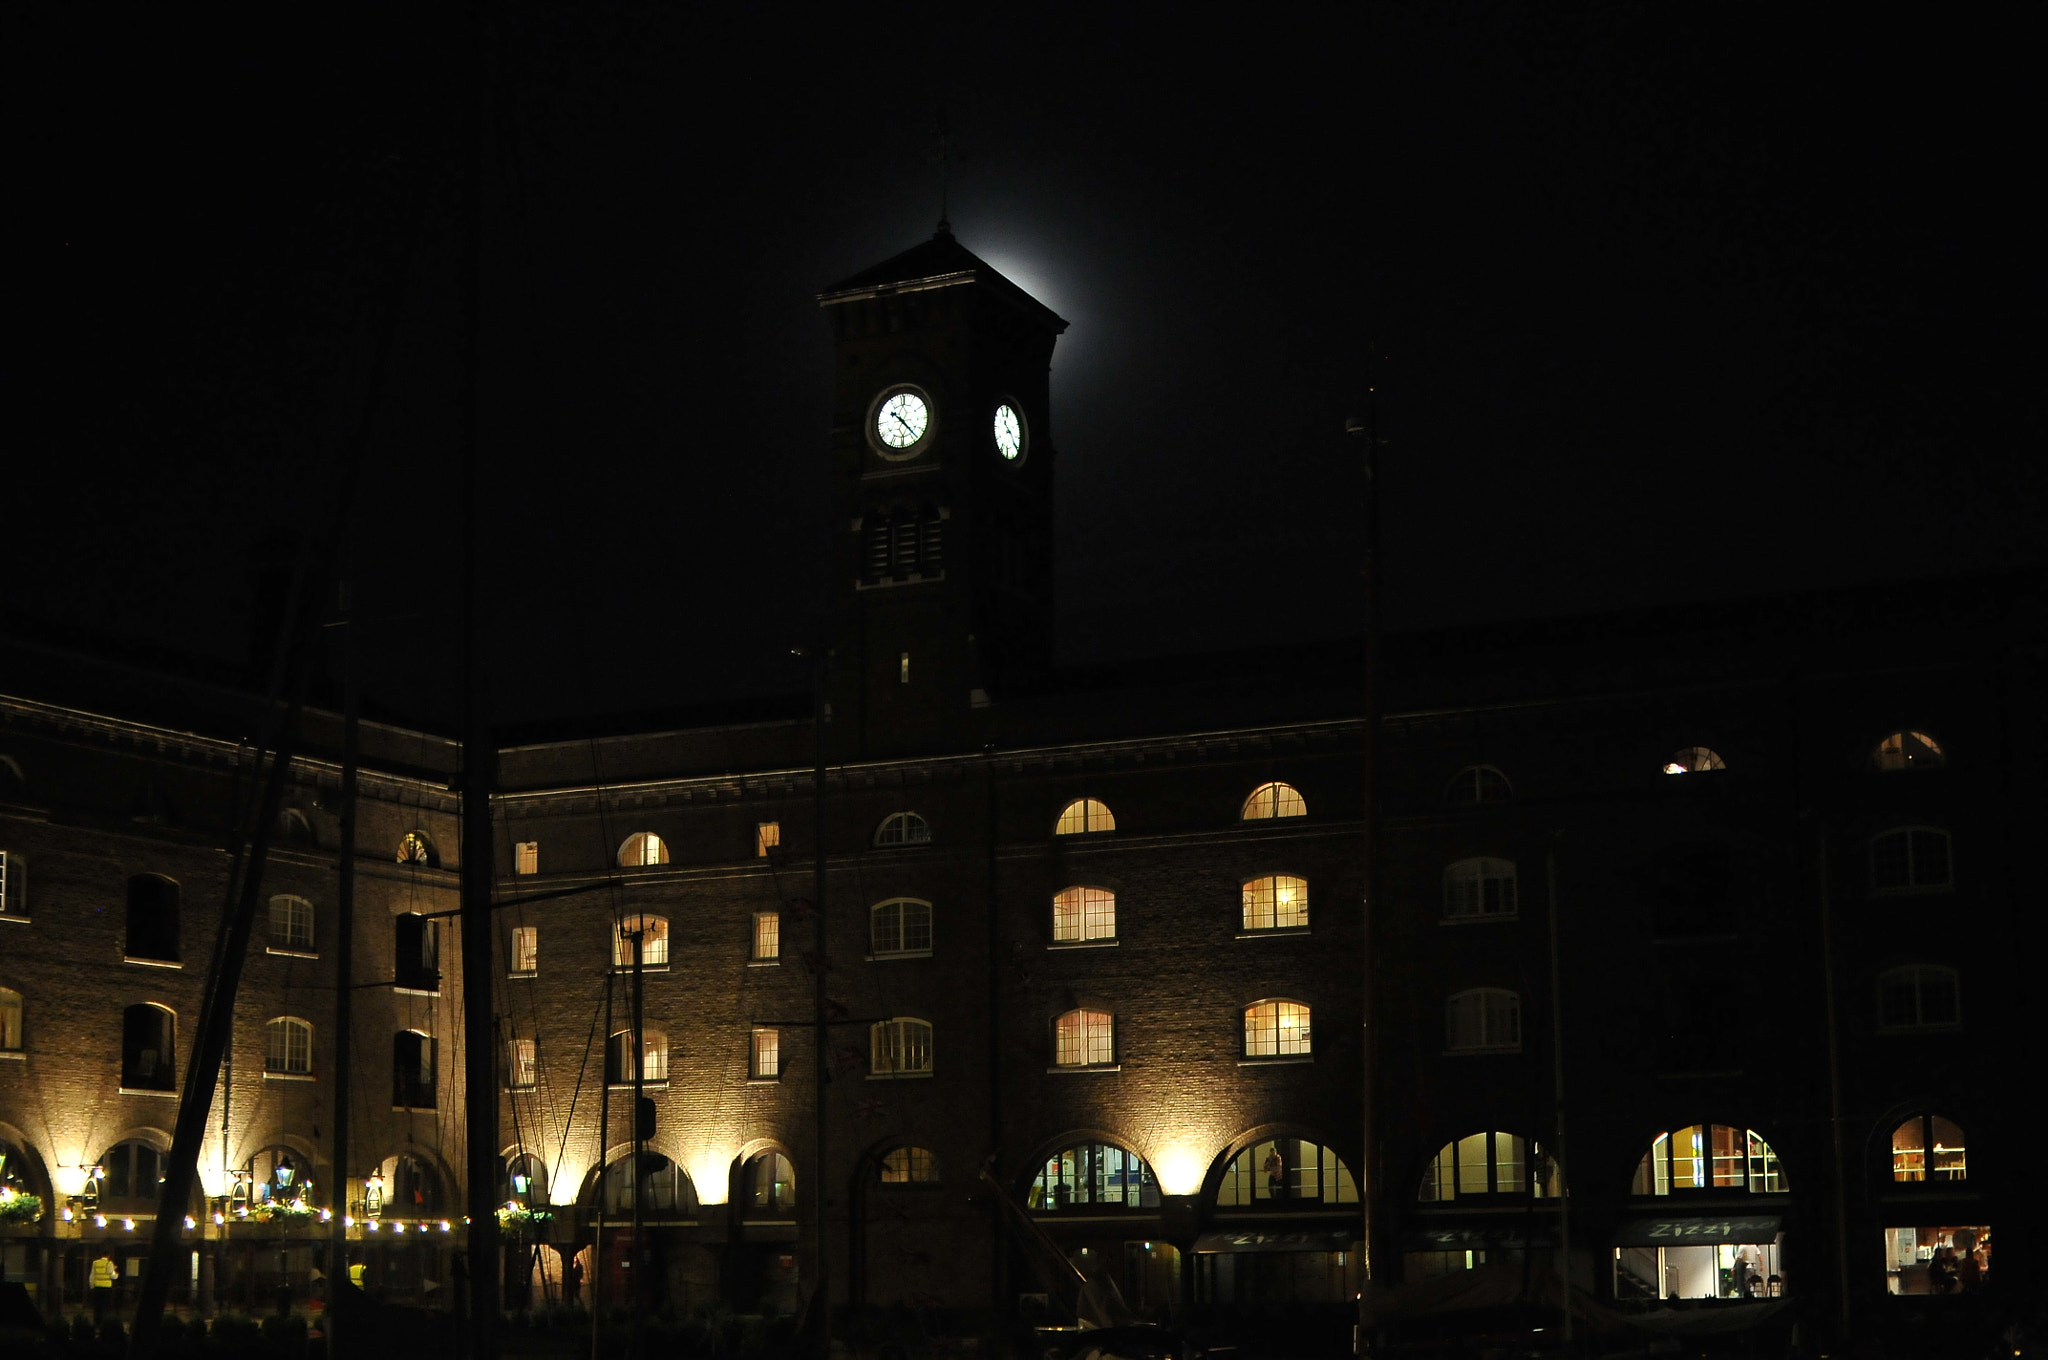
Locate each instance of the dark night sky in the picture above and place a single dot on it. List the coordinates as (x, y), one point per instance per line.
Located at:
(1676, 303)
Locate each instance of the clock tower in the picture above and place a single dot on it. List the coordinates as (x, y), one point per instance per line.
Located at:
(942, 462)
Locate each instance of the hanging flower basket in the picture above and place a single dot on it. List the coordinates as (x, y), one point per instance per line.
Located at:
(519, 1218)
(19, 1210)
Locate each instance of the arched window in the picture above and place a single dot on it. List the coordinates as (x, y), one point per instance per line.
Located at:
(770, 1185)
(1276, 1029)
(14, 1175)
(148, 1043)
(909, 1166)
(1489, 1164)
(643, 849)
(1907, 751)
(1286, 1173)
(403, 1186)
(1919, 996)
(293, 828)
(665, 1188)
(1276, 902)
(653, 1057)
(1479, 888)
(291, 923)
(278, 1176)
(1694, 760)
(1083, 914)
(903, 828)
(900, 1048)
(1910, 859)
(1928, 1147)
(1709, 1157)
(412, 1070)
(1084, 1038)
(10, 1020)
(128, 1178)
(1483, 1020)
(416, 848)
(416, 952)
(1082, 816)
(653, 933)
(290, 1047)
(524, 1180)
(899, 927)
(1273, 800)
(153, 918)
(1477, 784)
(1093, 1176)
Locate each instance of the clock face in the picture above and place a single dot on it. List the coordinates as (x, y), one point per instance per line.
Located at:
(1009, 433)
(902, 420)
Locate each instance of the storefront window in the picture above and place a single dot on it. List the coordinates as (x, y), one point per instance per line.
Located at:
(1489, 1164)
(1928, 1148)
(1937, 1261)
(1094, 1174)
(1725, 1270)
(1709, 1157)
(1283, 1173)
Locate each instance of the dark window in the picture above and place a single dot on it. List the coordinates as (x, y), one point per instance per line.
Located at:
(771, 1184)
(152, 918)
(665, 1187)
(1692, 893)
(412, 1070)
(1478, 784)
(147, 1060)
(1919, 996)
(418, 955)
(1911, 859)
(133, 1173)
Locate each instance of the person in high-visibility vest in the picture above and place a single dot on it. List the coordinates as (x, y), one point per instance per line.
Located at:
(104, 1274)
(355, 1274)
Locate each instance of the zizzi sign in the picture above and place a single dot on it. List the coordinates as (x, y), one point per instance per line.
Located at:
(1656, 1232)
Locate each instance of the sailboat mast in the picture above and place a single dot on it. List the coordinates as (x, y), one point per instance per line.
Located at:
(338, 1283)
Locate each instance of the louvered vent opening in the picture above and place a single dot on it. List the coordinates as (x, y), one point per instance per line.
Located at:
(875, 551)
(931, 556)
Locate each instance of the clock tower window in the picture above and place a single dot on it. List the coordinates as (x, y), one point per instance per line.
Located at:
(902, 544)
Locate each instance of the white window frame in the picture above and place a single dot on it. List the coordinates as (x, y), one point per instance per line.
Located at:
(525, 951)
(891, 928)
(643, 850)
(767, 944)
(765, 1056)
(1465, 892)
(897, 1047)
(1914, 883)
(1274, 798)
(522, 1068)
(1278, 1028)
(291, 941)
(1084, 1038)
(901, 830)
(288, 1047)
(653, 944)
(1264, 900)
(1483, 1020)
(1083, 914)
(1084, 817)
(917, 1166)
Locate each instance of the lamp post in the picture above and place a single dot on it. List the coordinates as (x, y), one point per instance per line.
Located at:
(1365, 429)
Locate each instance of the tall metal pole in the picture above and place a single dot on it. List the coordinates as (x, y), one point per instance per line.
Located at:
(638, 1280)
(604, 1132)
(1367, 428)
(1564, 1183)
(1841, 1215)
(821, 1292)
(339, 1286)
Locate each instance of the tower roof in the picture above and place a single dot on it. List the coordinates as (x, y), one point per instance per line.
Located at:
(941, 262)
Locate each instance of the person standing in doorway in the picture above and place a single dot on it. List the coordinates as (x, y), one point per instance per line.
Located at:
(105, 1274)
(572, 1279)
(1276, 1174)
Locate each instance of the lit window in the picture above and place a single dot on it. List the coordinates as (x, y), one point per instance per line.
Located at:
(767, 1056)
(1084, 914)
(909, 1166)
(526, 857)
(767, 936)
(415, 848)
(524, 1064)
(1919, 996)
(767, 836)
(771, 1184)
(148, 1038)
(1694, 760)
(1276, 902)
(1489, 1164)
(1910, 859)
(1946, 1261)
(653, 933)
(902, 925)
(1286, 1173)
(416, 953)
(1085, 1038)
(1709, 1157)
(1484, 1020)
(1094, 1175)
(526, 950)
(291, 923)
(152, 918)
(653, 1057)
(1276, 1029)
(1907, 751)
(903, 828)
(1273, 800)
(10, 1020)
(643, 849)
(900, 1048)
(11, 897)
(524, 1178)
(1478, 888)
(1478, 784)
(1929, 1148)
(290, 1047)
(1082, 816)
(903, 669)
(412, 1070)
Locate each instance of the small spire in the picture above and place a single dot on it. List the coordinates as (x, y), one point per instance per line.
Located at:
(945, 230)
